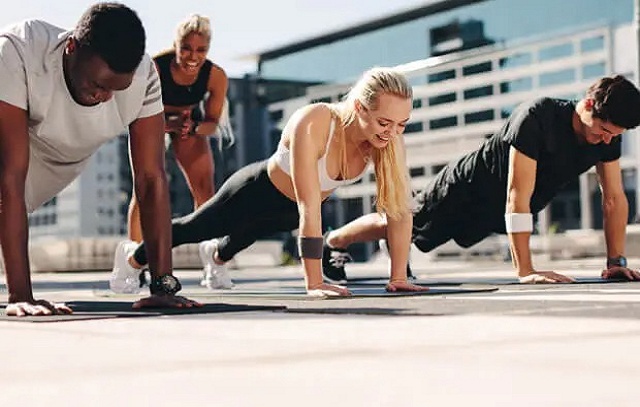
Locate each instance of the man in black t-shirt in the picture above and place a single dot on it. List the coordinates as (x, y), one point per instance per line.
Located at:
(545, 144)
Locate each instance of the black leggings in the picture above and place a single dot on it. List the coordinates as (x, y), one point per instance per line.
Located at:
(247, 207)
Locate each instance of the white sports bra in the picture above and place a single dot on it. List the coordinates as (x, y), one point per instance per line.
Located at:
(282, 158)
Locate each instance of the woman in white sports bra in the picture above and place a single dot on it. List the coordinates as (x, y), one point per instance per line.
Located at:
(323, 147)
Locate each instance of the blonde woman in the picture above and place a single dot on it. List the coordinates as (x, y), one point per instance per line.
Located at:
(188, 81)
(323, 147)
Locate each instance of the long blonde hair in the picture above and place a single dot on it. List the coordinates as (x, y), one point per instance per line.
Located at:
(393, 196)
(194, 23)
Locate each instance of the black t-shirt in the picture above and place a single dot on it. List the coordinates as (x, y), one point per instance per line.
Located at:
(541, 129)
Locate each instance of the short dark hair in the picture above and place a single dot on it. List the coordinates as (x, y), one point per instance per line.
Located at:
(616, 100)
(115, 33)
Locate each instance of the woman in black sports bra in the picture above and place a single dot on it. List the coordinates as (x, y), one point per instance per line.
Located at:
(190, 82)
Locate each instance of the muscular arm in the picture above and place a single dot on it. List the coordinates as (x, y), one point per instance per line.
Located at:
(615, 207)
(520, 185)
(308, 136)
(217, 87)
(146, 144)
(14, 163)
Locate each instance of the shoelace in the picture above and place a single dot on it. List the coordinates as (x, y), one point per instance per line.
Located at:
(339, 259)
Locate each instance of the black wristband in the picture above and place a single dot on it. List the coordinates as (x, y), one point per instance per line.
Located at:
(194, 127)
(310, 247)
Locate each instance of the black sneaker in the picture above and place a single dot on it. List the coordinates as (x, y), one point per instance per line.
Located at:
(333, 261)
(410, 276)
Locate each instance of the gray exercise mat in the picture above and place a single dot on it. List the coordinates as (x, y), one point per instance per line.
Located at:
(381, 281)
(357, 292)
(87, 310)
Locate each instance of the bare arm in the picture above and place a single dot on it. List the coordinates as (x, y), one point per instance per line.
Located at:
(306, 145)
(146, 145)
(615, 207)
(520, 185)
(217, 87)
(14, 163)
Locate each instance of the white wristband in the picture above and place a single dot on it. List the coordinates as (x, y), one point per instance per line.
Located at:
(518, 222)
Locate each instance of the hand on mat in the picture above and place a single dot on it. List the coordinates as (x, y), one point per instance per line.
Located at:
(620, 273)
(328, 290)
(403, 286)
(545, 277)
(165, 301)
(36, 307)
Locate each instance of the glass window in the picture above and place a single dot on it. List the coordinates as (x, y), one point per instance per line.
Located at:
(441, 76)
(517, 85)
(557, 77)
(593, 70)
(555, 52)
(506, 111)
(417, 171)
(592, 44)
(515, 60)
(417, 103)
(479, 92)
(477, 117)
(477, 68)
(443, 122)
(414, 127)
(442, 99)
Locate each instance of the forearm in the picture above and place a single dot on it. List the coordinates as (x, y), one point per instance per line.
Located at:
(14, 238)
(310, 226)
(399, 245)
(521, 253)
(615, 214)
(155, 218)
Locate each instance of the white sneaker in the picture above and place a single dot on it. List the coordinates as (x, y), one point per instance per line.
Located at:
(124, 278)
(214, 276)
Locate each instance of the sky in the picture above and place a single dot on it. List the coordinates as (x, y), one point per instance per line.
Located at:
(241, 28)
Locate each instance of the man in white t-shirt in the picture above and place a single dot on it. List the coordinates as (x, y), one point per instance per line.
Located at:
(62, 95)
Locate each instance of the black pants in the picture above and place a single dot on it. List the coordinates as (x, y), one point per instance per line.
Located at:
(247, 207)
(451, 208)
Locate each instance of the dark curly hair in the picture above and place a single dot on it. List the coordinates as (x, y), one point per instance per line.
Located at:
(115, 33)
(616, 100)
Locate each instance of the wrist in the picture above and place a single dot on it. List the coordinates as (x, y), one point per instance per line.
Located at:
(616, 261)
(20, 297)
(194, 127)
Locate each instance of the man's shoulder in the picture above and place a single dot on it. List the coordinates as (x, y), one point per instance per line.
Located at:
(34, 39)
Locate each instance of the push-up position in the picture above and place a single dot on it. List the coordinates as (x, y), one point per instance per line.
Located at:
(323, 147)
(62, 95)
(545, 144)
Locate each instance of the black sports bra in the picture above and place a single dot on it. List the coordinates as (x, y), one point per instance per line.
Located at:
(181, 95)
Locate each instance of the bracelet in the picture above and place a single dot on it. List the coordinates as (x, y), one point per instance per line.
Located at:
(194, 127)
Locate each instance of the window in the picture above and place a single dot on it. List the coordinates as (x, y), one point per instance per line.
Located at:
(443, 122)
(593, 70)
(592, 44)
(517, 85)
(555, 52)
(417, 103)
(477, 68)
(414, 127)
(441, 76)
(479, 92)
(481, 116)
(326, 99)
(417, 171)
(557, 77)
(442, 99)
(515, 60)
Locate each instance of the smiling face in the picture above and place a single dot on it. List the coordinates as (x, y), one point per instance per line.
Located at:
(191, 53)
(387, 121)
(594, 130)
(89, 79)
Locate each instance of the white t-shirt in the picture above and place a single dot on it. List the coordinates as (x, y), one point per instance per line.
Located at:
(63, 134)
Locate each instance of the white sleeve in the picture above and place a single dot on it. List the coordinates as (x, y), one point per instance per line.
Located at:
(13, 86)
(152, 102)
